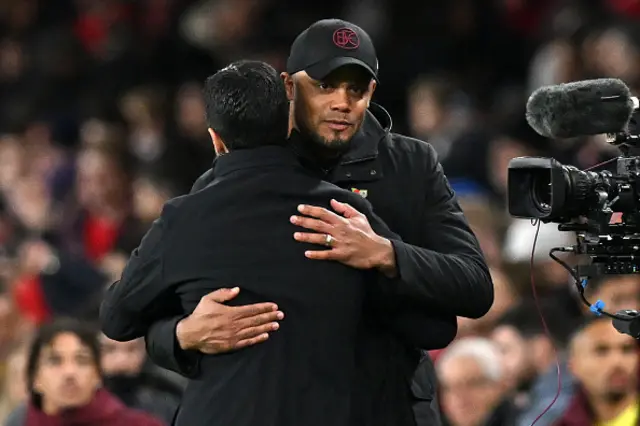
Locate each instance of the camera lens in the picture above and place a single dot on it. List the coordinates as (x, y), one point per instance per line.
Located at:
(541, 192)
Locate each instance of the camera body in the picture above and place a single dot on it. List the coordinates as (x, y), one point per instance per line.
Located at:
(602, 207)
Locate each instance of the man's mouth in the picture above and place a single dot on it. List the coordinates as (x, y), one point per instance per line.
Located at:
(339, 125)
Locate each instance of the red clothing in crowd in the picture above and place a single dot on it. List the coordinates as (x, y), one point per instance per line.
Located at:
(100, 237)
(103, 410)
(28, 296)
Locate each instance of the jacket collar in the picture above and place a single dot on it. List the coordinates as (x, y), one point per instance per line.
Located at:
(244, 159)
(376, 126)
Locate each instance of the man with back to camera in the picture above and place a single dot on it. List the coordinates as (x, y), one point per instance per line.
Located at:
(304, 375)
(330, 79)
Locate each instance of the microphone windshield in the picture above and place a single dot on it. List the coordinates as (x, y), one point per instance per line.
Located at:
(589, 107)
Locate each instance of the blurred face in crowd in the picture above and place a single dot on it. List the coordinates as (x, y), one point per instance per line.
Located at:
(15, 381)
(503, 150)
(99, 181)
(11, 161)
(148, 199)
(190, 113)
(604, 361)
(619, 292)
(67, 374)
(122, 358)
(330, 111)
(468, 395)
(426, 111)
(516, 359)
(505, 297)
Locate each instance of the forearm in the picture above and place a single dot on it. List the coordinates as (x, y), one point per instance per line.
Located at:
(166, 350)
(458, 284)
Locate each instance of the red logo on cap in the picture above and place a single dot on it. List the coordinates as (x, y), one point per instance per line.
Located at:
(346, 38)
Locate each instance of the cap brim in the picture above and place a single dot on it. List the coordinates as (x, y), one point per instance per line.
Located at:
(322, 69)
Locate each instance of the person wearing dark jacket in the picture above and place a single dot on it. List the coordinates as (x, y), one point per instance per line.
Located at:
(65, 384)
(438, 265)
(233, 231)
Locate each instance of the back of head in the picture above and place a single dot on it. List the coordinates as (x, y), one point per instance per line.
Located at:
(525, 318)
(247, 106)
(479, 349)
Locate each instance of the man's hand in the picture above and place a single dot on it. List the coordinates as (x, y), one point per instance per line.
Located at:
(352, 241)
(215, 328)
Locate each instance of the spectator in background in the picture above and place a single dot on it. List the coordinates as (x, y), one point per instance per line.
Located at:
(64, 380)
(125, 375)
(549, 276)
(14, 390)
(482, 155)
(530, 358)
(434, 113)
(473, 385)
(505, 298)
(618, 292)
(488, 224)
(103, 220)
(605, 365)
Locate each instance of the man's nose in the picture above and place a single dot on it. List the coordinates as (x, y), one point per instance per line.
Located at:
(342, 101)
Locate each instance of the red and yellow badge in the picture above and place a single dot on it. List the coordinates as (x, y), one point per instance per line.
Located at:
(362, 192)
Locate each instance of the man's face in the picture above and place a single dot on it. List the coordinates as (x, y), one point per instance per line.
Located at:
(620, 292)
(332, 110)
(515, 357)
(468, 396)
(67, 374)
(604, 361)
(122, 358)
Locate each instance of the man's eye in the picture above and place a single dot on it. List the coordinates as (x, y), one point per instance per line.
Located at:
(323, 86)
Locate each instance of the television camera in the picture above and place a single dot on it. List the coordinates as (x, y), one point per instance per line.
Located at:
(601, 206)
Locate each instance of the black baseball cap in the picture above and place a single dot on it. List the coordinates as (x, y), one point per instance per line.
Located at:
(330, 44)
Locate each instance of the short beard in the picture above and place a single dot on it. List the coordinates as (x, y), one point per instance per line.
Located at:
(614, 397)
(323, 147)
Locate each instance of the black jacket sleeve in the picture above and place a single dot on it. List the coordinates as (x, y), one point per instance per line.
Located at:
(140, 297)
(164, 350)
(416, 326)
(161, 341)
(448, 272)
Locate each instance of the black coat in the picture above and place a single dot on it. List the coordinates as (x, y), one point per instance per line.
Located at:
(236, 230)
(442, 273)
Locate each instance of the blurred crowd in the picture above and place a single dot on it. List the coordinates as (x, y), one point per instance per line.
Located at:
(102, 121)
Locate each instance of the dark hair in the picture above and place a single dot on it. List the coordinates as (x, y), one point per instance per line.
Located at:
(525, 318)
(85, 332)
(587, 322)
(246, 105)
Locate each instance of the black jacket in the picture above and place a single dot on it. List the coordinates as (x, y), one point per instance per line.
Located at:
(236, 230)
(441, 268)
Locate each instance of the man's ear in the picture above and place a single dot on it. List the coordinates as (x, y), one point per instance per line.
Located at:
(218, 144)
(288, 84)
(372, 88)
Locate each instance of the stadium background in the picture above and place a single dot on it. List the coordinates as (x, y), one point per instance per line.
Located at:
(101, 120)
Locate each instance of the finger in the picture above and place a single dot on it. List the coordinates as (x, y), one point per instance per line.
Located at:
(259, 320)
(324, 254)
(252, 332)
(223, 294)
(307, 237)
(250, 342)
(239, 312)
(346, 210)
(312, 224)
(320, 213)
